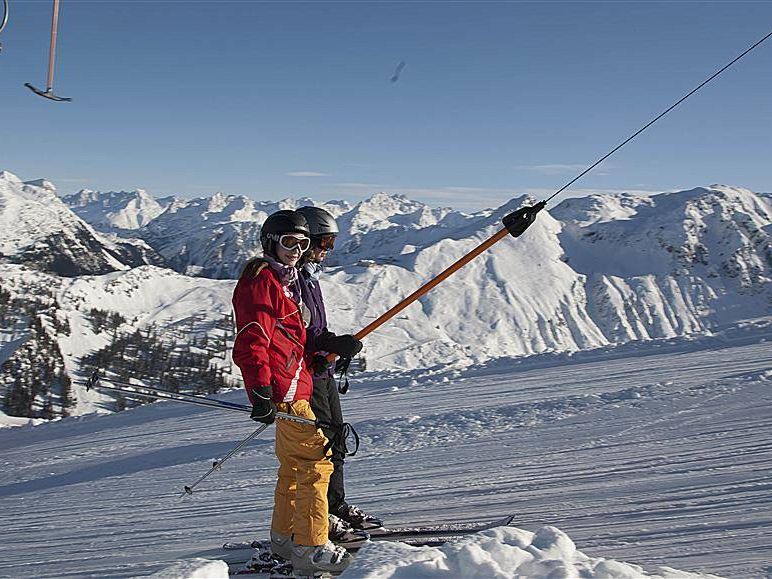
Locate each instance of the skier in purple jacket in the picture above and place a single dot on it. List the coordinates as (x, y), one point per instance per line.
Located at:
(325, 400)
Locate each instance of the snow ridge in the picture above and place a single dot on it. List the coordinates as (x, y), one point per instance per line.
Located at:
(38, 229)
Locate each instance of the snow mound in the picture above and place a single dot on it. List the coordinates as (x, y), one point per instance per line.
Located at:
(503, 552)
(9, 421)
(194, 569)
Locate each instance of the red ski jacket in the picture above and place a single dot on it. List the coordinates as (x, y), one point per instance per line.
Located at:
(270, 338)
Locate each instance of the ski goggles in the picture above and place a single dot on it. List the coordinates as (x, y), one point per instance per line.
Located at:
(290, 242)
(326, 241)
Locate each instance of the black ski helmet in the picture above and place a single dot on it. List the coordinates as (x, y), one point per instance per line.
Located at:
(320, 222)
(279, 223)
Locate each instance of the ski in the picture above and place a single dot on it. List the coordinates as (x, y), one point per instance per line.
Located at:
(264, 564)
(265, 544)
(278, 572)
(237, 545)
(279, 569)
(394, 533)
(419, 536)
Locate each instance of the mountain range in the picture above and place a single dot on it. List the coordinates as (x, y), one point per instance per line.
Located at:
(591, 272)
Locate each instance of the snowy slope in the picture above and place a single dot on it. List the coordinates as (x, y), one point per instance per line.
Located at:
(673, 263)
(144, 295)
(38, 229)
(656, 455)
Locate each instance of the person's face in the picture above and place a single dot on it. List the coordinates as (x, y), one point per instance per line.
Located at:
(317, 254)
(288, 251)
(320, 246)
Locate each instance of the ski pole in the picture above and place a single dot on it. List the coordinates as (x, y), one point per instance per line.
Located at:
(514, 224)
(346, 430)
(153, 389)
(217, 465)
(95, 382)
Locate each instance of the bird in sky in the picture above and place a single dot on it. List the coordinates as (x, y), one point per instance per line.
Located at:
(398, 71)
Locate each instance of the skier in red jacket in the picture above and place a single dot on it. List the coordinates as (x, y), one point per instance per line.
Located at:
(268, 349)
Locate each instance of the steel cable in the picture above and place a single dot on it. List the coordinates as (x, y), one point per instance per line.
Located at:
(655, 119)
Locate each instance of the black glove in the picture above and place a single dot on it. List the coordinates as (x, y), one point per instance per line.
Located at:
(319, 364)
(345, 346)
(263, 409)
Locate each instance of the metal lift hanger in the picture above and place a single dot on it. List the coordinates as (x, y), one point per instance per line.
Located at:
(49, 92)
(4, 21)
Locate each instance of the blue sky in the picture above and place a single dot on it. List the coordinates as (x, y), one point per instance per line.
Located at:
(276, 99)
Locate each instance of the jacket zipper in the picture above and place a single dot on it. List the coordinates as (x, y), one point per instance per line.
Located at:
(290, 361)
(290, 336)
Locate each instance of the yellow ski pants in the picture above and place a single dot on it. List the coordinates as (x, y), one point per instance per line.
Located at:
(300, 501)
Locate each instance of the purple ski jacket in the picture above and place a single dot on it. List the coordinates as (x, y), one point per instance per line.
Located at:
(311, 294)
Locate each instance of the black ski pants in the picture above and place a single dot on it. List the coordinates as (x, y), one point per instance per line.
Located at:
(325, 402)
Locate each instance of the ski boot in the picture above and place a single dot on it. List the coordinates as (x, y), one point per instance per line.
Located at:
(312, 561)
(282, 570)
(281, 546)
(357, 518)
(262, 561)
(343, 534)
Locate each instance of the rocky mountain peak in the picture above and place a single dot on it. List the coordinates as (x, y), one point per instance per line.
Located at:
(9, 177)
(43, 184)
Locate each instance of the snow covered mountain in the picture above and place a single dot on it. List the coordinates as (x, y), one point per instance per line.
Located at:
(591, 272)
(671, 264)
(214, 236)
(116, 210)
(385, 226)
(38, 229)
